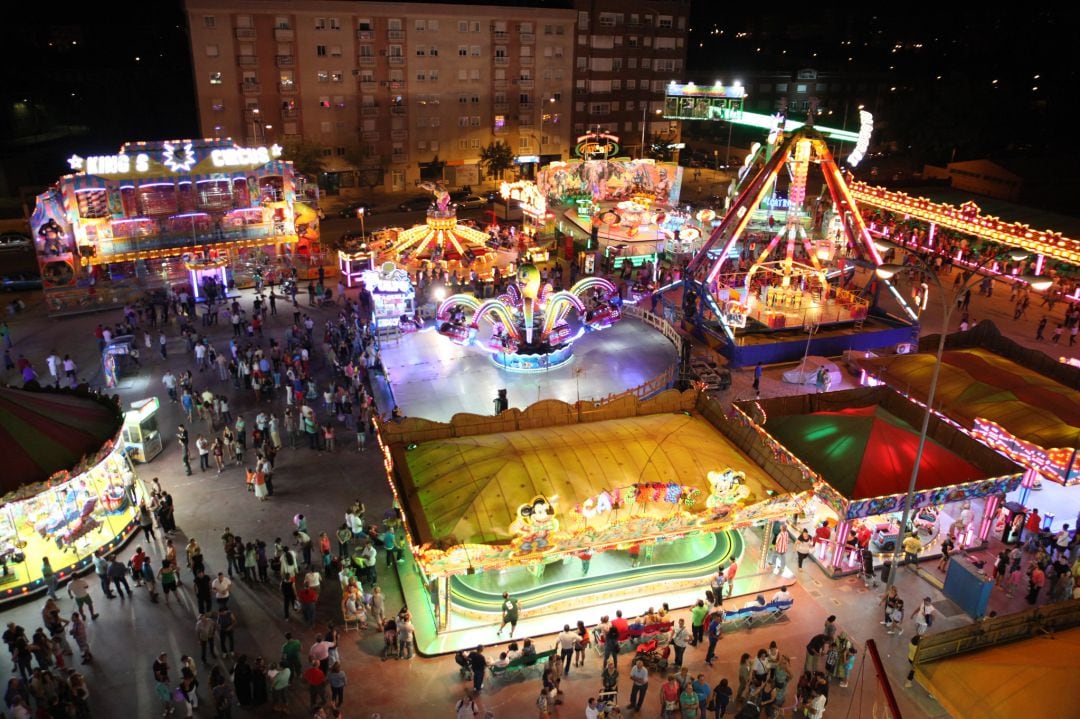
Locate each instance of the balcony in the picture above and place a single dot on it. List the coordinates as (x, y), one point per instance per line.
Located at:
(365, 60)
(245, 33)
(396, 85)
(251, 114)
(365, 34)
(526, 107)
(501, 61)
(395, 34)
(249, 87)
(289, 113)
(499, 84)
(399, 134)
(501, 36)
(398, 110)
(527, 60)
(368, 86)
(369, 110)
(246, 60)
(284, 34)
(502, 108)
(369, 136)
(285, 60)
(287, 88)
(396, 59)
(500, 130)
(527, 38)
(399, 157)
(525, 83)
(292, 137)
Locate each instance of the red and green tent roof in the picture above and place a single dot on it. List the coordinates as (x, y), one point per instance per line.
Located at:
(44, 432)
(866, 452)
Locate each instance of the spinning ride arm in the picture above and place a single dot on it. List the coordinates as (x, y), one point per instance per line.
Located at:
(558, 305)
(501, 313)
(443, 313)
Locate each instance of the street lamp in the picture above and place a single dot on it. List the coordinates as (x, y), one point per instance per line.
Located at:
(644, 111)
(360, 214)
(255, 124)
(888, 271)
(551, 100)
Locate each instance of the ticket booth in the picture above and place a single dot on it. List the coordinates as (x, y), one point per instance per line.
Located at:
(141, 435)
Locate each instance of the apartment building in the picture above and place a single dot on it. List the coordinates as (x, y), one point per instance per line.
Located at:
(392, 93)
(625, 52)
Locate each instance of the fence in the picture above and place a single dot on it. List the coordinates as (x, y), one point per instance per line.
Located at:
(1028, 624)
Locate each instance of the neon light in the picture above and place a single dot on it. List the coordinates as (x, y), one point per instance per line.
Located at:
(241, 156)
(866, 127)
(178, 159)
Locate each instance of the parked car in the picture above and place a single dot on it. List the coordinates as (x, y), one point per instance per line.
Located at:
(349, 210)
(14, 241)
(20, 282)
(469, 202)
(418, 202)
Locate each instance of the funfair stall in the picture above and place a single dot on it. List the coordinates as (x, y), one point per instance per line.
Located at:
(194, 215)
(68, 485)
(570, 506)
(857, 449)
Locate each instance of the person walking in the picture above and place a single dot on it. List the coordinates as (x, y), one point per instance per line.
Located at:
(79, 589)
(804, 545)
(226, 620)
(117, 573)
(566, 641)
(510, 612)
(182, 438)
(715, 634)
(639, 685)
(205, 631)
(757, 380)
(50, 578)
(679, 640)
(203, 448)
(478, 666)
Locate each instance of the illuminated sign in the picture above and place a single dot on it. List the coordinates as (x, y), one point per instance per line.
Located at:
(176, 157)
(244, 156)
(866, 127)
(705, 102)
(597, 144)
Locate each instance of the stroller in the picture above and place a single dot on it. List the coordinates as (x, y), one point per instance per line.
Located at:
(866, 570)
(390, 643)
(654, 656)
(463, 665)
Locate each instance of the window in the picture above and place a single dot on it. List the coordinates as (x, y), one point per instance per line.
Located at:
(665, 43)
(500, 121)
(335, 51)
(474, 121)
(433, 25)
(393, 23)
(433, 74)
(632, 41)
(420, 75)
(421, 122)
(474, 74)
(616, 84)
(367, 76)
(523, 142)
(364, 25)
(462, 75)
(462, 99)
(463, 121)
(212, 51)
(434, 122)
(433, 51)
(323, 76)
(583, 20)
(421, 144)
(367, 51)
(337, 76)
(462, 26)
(601, 64)
(523, 98)
(525, 27)
(474, 50)
(215, 78)
(395, 51)
(801, 87)
(463, 144)
(339, 101)
(463, 50)
(631, 63)
(474, 144)
(474, 26)
(665, 65)
(600, 108)
(475, 99)
(582, 63)
(281, 22)
(217, 104)
(339, 151)
(320, 23)
(243, 21)
(324, 101)
(421, 51)
(631, 84)
(420, 25)
(607, 19)
(209, 21)
(646, 63)
(664, 21)
(320, 50)
(335, 23)
(325, 126)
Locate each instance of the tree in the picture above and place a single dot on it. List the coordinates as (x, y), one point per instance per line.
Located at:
(496, 159)
(357, 155)
(306, 157)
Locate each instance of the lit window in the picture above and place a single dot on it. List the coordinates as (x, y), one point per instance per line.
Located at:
(215, 78)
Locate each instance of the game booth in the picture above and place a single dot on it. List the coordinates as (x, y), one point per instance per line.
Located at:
(571, 506)
(856, 449)
(196, 215)
(65, 480)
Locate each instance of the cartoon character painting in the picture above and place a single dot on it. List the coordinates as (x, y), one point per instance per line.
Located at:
(535, 526)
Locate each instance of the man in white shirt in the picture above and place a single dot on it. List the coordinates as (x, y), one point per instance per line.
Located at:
(591, 710)
(782, 595)
(313, 579)
(815, 707)
(566, 641)
(221, 587)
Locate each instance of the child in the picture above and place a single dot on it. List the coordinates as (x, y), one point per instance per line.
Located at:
(896, 616)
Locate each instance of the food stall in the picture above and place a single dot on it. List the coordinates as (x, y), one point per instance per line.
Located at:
(142, 438)
(856, 449)
(66, 485)
(514, 503)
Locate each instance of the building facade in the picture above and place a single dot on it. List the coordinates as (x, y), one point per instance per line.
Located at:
(625, 53)
(398, 91)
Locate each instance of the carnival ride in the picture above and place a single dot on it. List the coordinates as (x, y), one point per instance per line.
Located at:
(530, 320)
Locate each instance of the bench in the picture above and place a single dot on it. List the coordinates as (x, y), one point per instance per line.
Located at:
(628, 641)
(521, 665)
(748, 617)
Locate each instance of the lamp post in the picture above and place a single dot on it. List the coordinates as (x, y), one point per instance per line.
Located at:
(888, 271)
(363, 234)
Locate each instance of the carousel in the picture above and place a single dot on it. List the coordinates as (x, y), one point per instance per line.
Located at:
(68, 485)
(442, 244)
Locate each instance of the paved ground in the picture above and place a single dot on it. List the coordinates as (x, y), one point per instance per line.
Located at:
(130, 633)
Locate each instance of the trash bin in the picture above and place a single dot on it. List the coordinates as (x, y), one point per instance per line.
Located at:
(886, 567)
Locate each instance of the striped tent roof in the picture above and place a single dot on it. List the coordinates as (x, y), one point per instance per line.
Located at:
(43, 432)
